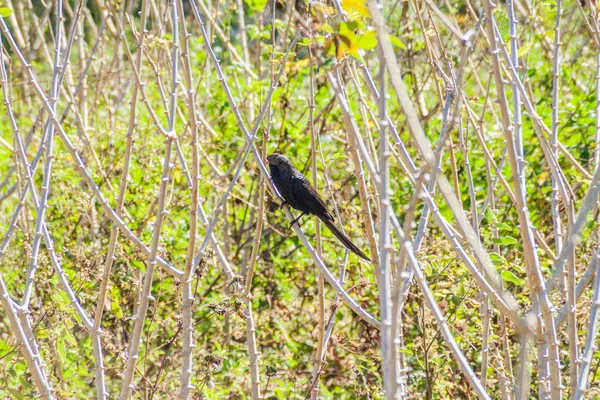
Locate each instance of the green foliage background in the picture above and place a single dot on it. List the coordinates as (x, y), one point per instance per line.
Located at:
(284, 288)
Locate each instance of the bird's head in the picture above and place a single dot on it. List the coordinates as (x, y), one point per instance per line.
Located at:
(279, 162)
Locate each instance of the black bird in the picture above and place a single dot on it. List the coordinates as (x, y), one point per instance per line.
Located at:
(299, 194)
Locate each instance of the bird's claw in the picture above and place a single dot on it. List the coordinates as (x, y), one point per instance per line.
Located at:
(296, 221)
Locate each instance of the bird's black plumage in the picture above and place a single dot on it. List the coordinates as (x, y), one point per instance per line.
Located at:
(297, 191)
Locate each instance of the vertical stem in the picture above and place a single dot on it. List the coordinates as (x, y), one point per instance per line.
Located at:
(41, 211)
(146, 296)
(558, 233)
(389, 351)
(26, 344)
(590, 344)
(523, 377)
(187, 294)
(114, 234)
(319, 354)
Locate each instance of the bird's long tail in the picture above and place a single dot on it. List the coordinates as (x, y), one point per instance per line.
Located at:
(344, 239)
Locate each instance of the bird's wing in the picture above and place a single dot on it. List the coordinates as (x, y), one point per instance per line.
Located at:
(306, 195)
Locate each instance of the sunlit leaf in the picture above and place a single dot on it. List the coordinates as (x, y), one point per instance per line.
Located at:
(256, 5)
(367, 41)
(497, 258)
(358, 6)
(397, 42)
(504, 227)
(505, 240)
(305, 42)
(348, 32)
(524, 49)
(116, 309)
(510, 277)
(39, 334)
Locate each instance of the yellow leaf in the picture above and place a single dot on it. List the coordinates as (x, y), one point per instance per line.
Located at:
(359, 6)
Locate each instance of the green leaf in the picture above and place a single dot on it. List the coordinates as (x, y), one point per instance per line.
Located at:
(367, 41)
(139, 265)
(397, 42)
(305, 42)
(26, 385)
(497, 258)
(116, 309)
(591, 224)
(327, 28)
(505, 240)
(518, 268)
(504, 227)
(40, 334)
(256, 5)
(61, 300)
(510, 277)
(69, 338)
(16, 394)
(348, 37)
(60, 349)
(352, 25)
(489, 215)
(5, 12)
(524, 49)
